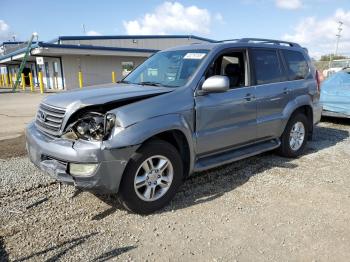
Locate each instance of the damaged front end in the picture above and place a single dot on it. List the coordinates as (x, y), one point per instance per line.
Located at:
(91, 126)
(71, 136)
(77, 154)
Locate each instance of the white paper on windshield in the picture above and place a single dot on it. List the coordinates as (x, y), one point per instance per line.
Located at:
(194, 55)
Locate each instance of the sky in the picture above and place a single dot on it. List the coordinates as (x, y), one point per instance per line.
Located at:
(312, 23)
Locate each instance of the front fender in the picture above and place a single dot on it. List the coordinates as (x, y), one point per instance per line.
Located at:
(139, 132)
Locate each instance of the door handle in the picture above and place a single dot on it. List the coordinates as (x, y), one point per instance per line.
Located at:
(249, 97)
(286, 91)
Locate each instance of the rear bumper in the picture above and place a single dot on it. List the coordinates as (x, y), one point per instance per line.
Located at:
(54, 155)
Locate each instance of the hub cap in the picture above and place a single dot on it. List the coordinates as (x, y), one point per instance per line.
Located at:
(297, 136)
(153, 178)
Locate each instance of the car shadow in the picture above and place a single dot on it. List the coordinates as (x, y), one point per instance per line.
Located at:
(211, 184)
(336, 120)
(4, 256)
(113, 253)
(63, 248)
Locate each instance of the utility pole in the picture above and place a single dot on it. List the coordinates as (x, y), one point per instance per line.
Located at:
(84, 29)
(337, 43)
(338, 37)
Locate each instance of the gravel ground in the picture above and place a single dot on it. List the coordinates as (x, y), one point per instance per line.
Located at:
(264, 208)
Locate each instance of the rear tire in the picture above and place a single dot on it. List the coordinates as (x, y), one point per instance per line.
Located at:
(147, 185)
(294, 137)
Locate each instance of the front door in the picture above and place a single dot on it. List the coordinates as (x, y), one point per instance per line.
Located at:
(226, 120)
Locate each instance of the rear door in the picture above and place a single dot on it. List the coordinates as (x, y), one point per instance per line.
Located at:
(300, 79)
(272, 90)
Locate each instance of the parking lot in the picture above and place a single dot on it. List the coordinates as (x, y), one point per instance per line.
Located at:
(265, 208)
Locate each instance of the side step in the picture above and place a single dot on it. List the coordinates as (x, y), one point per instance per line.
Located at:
(235, 155)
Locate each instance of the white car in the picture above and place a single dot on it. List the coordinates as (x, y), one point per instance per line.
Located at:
(336, 66)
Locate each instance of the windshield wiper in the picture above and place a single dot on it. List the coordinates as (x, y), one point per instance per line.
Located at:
(124, 82)
(149, 83)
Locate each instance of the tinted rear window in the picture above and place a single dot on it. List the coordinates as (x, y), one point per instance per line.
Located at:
(296, 65)
(267, 67)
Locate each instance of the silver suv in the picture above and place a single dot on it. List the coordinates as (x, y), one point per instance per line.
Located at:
(185, 109)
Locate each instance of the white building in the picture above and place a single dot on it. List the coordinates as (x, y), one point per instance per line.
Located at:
(61, 59)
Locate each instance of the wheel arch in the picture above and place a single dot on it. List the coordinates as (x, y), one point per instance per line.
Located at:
(173, 129)
(299, 106)
(178, 139)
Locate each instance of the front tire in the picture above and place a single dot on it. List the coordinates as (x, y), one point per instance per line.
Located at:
(294, 137)
(151, 177)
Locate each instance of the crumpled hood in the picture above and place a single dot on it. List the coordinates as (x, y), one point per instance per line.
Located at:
(99, 95)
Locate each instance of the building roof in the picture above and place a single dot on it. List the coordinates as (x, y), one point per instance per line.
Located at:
(93, 47)
(108, 37)
(57, 45)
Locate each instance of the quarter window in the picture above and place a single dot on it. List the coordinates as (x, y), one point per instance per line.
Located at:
(296, 65)
(267, 67)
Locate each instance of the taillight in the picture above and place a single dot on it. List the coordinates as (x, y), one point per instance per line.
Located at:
(319, 80)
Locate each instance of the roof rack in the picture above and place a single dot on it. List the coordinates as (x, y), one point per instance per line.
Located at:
(261, 41)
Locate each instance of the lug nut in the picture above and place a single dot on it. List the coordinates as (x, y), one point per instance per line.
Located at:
(149, 183)
(158, 176)
(155, 183)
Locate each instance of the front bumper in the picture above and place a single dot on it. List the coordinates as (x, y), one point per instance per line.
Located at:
(53, 156)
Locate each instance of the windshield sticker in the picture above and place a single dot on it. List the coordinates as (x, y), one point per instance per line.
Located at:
(194, 55)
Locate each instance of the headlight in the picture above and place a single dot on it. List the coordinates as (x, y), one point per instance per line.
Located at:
(82, 169)
(93, 126)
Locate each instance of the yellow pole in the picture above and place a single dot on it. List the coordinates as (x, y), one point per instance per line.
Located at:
(80, 77)
(7, 79)
(1, 80)
(10, 80)
(23, 82)
(113, 77)
(31, 82)
(41, 82)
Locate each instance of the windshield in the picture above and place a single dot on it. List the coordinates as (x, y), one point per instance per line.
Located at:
(169, 68)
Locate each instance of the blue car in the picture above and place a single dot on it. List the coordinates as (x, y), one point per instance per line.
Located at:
(335, 95)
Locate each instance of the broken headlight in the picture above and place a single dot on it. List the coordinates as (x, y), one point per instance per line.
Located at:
(92, 126)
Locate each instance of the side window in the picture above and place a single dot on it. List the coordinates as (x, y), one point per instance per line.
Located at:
(231, 65)
(267, 67)
(296, 64)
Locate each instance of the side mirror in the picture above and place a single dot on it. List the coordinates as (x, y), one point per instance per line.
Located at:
(216, 84)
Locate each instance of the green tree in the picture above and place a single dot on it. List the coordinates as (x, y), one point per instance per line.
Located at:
(327, 57)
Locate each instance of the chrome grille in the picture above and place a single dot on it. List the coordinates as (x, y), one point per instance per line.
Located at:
(49, 119)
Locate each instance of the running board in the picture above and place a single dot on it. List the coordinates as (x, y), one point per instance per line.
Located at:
(235, 155)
